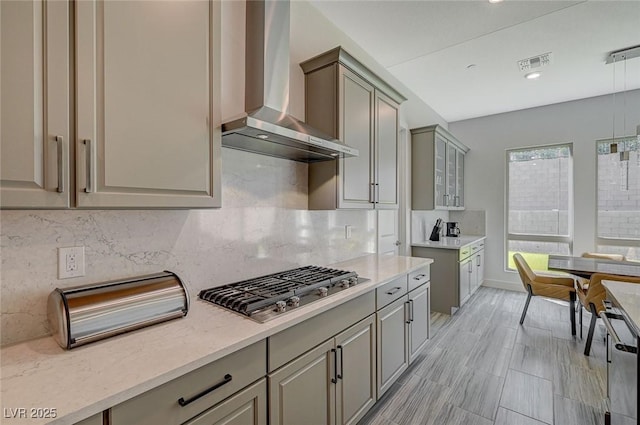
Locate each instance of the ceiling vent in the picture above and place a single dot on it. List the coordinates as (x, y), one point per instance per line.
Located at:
(535, 62)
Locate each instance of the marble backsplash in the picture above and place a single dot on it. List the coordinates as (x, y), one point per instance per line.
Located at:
(264, 226)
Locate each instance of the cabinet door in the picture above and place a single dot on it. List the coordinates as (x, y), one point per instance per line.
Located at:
(459, 197)
(451, 174)
(392, 328)
(34, 110)
(419, 307)
(248, 407)
(356, 129)
(386, 137)
(479, 268)
(302, 391)
(147, 88)
(466, 273)
(440, 176)
(356, 388)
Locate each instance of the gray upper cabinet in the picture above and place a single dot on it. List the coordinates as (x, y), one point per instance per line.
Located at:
(437, 169)
(350, 103)
(34, 111)
(146, 129)
(147, 87)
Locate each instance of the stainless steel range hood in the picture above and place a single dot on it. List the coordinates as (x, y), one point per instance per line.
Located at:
(267, 128)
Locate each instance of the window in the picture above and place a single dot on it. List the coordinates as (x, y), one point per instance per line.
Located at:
(539, 202)
(619, 196)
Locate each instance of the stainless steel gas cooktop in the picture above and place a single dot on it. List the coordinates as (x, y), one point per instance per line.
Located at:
(263, 298)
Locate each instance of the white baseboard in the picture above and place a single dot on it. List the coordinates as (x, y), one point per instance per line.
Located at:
(501, 284)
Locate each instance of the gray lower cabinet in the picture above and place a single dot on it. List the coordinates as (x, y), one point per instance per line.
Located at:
(457, 274)
(333, 383)
(190, 395)
(419, 318)
(393, 335)
(248, 407)
(93, 420)
(403, 322)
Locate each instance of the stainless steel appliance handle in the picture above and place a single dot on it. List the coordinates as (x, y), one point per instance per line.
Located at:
(334, 380)
(341, 376)
(616, 339)
(89, 170)
(393, 290)
(61, 163)
(227, 378)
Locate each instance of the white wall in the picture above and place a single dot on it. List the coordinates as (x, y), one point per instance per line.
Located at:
(581, 122)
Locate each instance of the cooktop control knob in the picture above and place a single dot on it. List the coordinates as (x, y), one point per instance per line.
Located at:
(281, 306)
(294, 301)
(344, 283)
(323, 292)
(353, 280)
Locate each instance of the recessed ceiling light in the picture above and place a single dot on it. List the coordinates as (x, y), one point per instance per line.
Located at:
(532, 75)
(262, 136)
(495, 1)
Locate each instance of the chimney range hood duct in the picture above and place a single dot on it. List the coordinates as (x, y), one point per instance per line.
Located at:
(267, 128)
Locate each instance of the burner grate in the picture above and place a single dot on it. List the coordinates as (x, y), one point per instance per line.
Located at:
(252, 295)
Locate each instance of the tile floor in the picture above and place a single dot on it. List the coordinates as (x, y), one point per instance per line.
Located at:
(482, 368)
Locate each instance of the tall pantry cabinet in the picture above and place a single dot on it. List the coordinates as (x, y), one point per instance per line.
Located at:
(347, 101)
(146, 87)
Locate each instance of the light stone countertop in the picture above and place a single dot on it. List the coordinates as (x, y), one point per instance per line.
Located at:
(627, 296)
(89, 379)
(449, 242)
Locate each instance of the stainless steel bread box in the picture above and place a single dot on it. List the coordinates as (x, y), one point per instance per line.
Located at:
(93, 312)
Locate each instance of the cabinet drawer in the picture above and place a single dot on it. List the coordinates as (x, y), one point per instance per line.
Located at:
(160, 405)
(418, 277)
(464, 252)
(391, 291)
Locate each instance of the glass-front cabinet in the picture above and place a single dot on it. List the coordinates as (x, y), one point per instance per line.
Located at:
(437, 164)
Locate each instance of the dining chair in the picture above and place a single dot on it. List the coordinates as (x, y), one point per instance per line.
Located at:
(558, 287)
(591, 297)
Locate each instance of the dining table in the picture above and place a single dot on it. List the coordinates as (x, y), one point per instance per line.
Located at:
(585, 267)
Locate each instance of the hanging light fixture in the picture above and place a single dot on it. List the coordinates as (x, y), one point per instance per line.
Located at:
(623, 55)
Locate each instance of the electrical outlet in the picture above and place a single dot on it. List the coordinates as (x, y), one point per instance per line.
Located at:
(70, 262)
(347, 231)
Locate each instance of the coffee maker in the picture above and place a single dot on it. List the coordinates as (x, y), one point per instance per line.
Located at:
(452, 229)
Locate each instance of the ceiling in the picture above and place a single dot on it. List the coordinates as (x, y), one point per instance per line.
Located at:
(429, 45)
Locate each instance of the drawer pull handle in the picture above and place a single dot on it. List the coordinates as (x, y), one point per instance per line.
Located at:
(394, 290)
(420, 276)
(182, 402)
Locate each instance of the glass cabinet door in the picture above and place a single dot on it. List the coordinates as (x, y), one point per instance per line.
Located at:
(451, 175)
(439, 173)
(459, 198)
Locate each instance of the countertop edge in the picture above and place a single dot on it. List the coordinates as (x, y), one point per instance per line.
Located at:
(468, 240)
